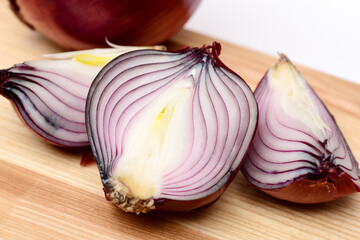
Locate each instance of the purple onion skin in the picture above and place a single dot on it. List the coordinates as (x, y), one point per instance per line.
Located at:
(310, 191)
(78, 24)
(326, 182)
(107, 166)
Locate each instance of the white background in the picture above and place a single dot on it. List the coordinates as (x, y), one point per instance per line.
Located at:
(321, 34)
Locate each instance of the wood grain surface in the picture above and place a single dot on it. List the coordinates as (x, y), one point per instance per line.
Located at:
(46, 194)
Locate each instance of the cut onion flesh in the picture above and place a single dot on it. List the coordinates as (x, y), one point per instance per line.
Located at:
(50, 94)
(298, 152)
(169, 130)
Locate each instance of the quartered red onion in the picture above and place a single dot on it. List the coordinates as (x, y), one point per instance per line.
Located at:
(79, 24)
(169, 130)
(50, 94)
(298, 152)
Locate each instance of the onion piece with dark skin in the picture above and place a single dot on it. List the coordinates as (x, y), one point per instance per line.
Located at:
(299, 153)
(79, 24)
(50, 95)
(169, 130)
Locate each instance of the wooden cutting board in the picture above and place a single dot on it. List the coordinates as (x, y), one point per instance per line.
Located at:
(46, 194)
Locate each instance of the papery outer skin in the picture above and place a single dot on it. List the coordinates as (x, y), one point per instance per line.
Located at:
(78, 24)
(315, 191)
(50, 94)
(315, 179)
(134, 68)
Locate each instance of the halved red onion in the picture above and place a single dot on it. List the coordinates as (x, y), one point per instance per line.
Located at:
(169, 130)
(298, 152)
(50, 94)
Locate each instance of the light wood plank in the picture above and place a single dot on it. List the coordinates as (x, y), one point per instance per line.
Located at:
(45, 194)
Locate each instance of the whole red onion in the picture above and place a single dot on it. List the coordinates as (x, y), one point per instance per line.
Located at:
(78, 24)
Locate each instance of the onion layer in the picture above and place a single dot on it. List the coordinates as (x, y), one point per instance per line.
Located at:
(78, 24)
(169, 130)
(298, 153)
(50, 94)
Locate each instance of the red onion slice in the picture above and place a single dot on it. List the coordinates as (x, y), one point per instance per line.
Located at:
(50, 94)
(298, 153)
(169, 130)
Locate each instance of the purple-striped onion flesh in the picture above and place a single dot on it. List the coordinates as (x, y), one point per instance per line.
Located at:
(298, 152)
(50, 94)
(169, 130)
